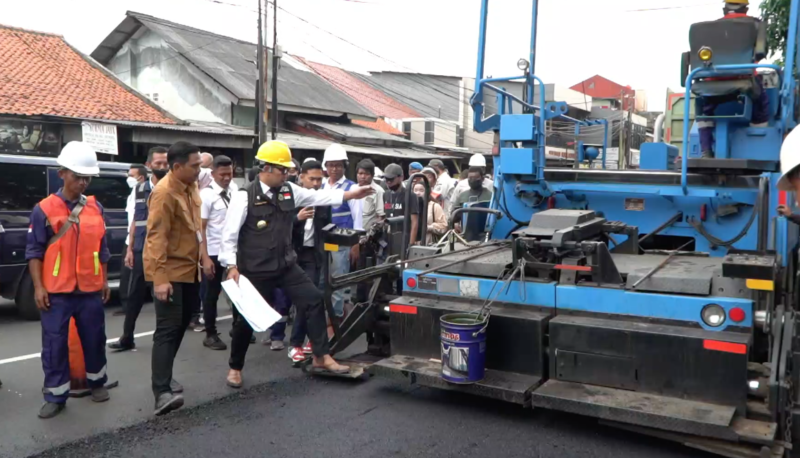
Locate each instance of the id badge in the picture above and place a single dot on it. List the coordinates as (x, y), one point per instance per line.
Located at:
(199, 237)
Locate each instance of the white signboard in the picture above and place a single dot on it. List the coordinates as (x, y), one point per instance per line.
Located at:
(101, 137)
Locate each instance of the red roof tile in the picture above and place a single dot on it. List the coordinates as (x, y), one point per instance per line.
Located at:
(366, 95)
(380, 125)
(43, 75)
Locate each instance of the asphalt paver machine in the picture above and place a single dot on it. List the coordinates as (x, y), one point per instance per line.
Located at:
(660, 300)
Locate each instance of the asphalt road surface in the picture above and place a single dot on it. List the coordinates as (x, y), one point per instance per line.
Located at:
(280, 412)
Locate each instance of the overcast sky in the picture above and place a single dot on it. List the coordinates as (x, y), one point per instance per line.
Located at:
(576, 39)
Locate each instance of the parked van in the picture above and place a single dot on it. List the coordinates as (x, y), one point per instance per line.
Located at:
(26, 180)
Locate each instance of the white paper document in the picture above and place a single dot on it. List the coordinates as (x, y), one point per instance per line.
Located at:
(250, 304)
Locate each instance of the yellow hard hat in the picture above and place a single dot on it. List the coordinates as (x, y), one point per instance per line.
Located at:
(738, 2)
(275, 152)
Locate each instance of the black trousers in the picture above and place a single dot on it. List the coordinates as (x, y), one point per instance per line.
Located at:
(307, 260)
(172, 319)
(213, 290)
(307, 301)
(137, 290)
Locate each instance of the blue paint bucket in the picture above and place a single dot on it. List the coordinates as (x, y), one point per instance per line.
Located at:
(463, 337)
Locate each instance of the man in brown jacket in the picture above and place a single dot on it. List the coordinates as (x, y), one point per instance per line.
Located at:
(171, 256)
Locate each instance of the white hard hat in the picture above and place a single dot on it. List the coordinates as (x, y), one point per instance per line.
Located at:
(790, 159)
(309, 159)
(378, 172)
(477, 160)
(335, 152)
(80, 158)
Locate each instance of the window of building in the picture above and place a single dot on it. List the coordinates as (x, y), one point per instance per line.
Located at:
(460, 137)
(429, 134)
(407, 128)
(111, 191)
(22, 186)
(155, 97)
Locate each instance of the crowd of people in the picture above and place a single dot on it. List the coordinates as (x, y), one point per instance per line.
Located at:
(191, 228)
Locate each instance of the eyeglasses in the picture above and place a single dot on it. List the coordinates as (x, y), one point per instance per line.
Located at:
(279, 169)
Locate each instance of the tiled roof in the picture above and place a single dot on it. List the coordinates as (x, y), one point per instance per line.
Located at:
(363, 93)
(41, 74)
(380, 125)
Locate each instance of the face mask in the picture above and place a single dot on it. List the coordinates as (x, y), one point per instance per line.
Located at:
(160, 173)
(132, 182)
(475, 185)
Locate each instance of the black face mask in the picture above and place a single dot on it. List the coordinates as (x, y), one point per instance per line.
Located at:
(160, 173)
(291, 179)
(475, 185)
(396, 186)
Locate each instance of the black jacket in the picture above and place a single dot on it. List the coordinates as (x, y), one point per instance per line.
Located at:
(322, 217)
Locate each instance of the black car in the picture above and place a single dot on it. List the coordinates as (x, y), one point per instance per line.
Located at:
(24, 181)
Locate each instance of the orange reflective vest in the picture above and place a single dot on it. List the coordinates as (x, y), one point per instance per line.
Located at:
(73, 261)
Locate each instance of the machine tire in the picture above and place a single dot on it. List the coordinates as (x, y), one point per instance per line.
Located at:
(26, 304)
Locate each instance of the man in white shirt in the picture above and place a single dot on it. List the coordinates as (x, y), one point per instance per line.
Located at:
(372, 206)
(216, 199)
(136, 175)
(137, 230)
(257, 241)
(204, 179)
(347, 215)
(444, 184)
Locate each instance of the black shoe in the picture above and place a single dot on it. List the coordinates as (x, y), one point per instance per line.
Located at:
(167, 402)
(121, 345)
(120, 312)
(214, 343)
(175, 387)
(50, 410)
(100, 394)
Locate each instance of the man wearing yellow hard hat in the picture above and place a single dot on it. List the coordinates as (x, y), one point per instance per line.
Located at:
(257, 242)
(736, 9)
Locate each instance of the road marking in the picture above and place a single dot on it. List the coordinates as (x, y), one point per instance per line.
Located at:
(135, 336)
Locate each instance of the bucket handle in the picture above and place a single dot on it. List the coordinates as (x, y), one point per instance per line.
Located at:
(483, 329)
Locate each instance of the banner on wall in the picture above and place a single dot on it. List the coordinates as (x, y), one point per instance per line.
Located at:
(102, 137)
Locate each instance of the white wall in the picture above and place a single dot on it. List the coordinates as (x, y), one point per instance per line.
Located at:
(153, 68)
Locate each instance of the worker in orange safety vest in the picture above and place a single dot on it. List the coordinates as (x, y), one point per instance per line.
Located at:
(67, 256)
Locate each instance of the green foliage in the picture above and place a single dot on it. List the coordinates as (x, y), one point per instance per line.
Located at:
(776, 13)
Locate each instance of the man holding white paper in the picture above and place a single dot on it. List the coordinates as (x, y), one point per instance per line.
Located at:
(257, 242)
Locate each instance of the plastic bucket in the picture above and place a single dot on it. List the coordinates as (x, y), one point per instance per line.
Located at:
(463, 337)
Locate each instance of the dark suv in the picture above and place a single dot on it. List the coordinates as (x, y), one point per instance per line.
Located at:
(24, 181)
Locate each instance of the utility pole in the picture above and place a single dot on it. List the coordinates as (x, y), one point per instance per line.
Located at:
(275, 57)
(260, 94)
(629, 134)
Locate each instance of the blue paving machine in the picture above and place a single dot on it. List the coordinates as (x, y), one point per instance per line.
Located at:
(660, 300)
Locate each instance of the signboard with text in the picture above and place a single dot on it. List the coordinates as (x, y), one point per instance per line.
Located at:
(101, 137)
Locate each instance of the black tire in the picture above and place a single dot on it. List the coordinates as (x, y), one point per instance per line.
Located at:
(26, 303)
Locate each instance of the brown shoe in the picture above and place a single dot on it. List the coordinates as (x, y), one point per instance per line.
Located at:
(234, 379)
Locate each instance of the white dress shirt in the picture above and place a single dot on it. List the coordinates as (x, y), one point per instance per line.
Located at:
(308, 235)
(214, 208)
(205, 179)
(237, 212)
(355, 205)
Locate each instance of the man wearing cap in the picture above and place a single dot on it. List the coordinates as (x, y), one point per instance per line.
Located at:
(346, 215)
(257, 242)
(414, 167)
(476, 160)
(395, 200)
(68, 267)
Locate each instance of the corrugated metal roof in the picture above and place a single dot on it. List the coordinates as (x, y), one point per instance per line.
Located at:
(353, 132)
(299, 141)
(231, 63)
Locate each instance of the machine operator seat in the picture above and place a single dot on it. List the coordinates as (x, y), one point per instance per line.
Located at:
(732, 41)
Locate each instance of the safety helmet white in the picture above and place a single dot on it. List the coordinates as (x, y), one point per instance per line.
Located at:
(335, 152)
(80, 158)
(309, 159)
(378, 172)
(477, 160)
(790, 159)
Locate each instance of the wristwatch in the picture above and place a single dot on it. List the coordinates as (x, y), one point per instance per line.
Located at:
(230, 267)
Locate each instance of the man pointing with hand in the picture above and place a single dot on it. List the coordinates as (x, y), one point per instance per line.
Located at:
(257, 242)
